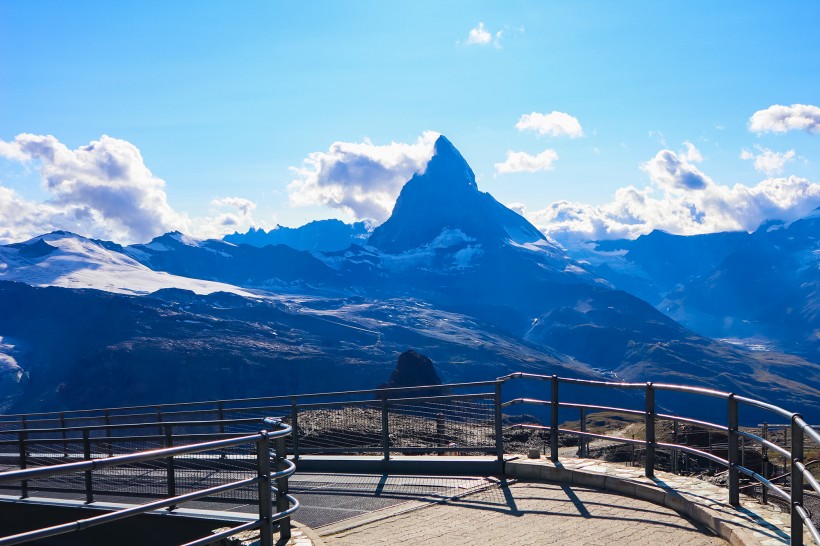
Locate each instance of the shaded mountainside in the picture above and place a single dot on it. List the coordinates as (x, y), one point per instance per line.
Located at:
(175, 345)
(763, 286)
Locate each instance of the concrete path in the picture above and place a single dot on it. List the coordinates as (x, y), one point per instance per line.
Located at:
(527, 513)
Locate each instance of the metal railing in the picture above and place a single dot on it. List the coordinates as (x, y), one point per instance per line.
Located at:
(263, 482)
(800, 517)
(462, 417)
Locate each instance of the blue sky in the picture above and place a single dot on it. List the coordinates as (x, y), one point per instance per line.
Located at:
(223, 100)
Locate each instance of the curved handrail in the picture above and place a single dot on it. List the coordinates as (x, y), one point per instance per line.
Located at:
(264, 480)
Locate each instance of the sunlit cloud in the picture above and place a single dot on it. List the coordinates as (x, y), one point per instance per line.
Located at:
(554, 124)
(768, 161)
(780, 119)
(479, 35)
(519, 162)
(360, 178)
(680, 199)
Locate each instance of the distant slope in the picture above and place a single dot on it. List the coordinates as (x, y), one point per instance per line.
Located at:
(317, 236)
(763, 286)
(71, 261)
(274, 267)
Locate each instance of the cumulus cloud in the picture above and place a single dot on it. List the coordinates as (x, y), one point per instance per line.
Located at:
(780, 119)
(103, 189)
(360, 178)
(553, 124)
(228, 214)
(680, 200)
(519, 162)
(481, 36)
(676, 171)
(768, 161)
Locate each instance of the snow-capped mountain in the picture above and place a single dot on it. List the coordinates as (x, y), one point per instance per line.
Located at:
(452, 273)
(317, 236)
(70, 261)
(445, 197)
(760, 289)
(276, 267)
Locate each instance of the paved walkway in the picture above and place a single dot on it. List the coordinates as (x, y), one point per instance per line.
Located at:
(527, 513)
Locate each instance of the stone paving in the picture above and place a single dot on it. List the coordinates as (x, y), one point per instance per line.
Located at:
(578, 501)
(527, 513)
(753, 523)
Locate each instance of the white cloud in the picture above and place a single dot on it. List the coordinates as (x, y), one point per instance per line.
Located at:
(102, 190)
(681, 200)
(768, 161)
(518, 162)
(552, 124)
(481, 36)
(780, 119)
(361, 178)
(675, 172)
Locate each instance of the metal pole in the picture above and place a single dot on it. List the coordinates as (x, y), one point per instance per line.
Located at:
(169, 466)
(65, 443)
(265, 503)
(282, 503)
(89, 488)
(294, 424)
(797, 481)
(499, 430)
(220, 415)
(385, 430)
(675, 452)
(649, 468)
(554, 420)
(159, 418)
(765, 462)
(108, 433)
(583, 447)
(21, 438)
(734, 474)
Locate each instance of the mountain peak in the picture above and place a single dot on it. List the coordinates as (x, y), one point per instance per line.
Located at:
(445, 196)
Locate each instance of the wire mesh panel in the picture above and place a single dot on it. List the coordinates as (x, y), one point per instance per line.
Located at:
(340, 428)
(455, 423)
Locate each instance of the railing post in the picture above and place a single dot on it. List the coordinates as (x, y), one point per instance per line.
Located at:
(294, 424)
(765, 457)
(220, 415)
(169, 466)
(108, 433)
(499, 429)
(582, 442)
(21, 439)
(264, 489)
(23, 422)
(797, 481)
(731, 438)
(159, 418)
(649, 469)
(554, 420)
(282, 503)
(675, 452)
(385, 430)
(63, 434)
(89, 488)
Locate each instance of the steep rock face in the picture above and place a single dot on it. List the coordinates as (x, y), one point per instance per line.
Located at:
(445, 196)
